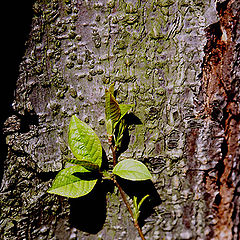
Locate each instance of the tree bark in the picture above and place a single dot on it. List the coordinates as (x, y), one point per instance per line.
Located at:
(178, 62)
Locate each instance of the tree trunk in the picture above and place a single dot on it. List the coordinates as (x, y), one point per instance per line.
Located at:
(178, 62)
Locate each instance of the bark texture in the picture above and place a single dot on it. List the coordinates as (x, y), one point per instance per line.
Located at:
(220, 91)
(178, 62)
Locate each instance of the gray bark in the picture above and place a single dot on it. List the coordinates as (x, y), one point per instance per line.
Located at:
(161, 56)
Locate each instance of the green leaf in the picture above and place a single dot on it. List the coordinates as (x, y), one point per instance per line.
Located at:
(109, 127)
(73, 182)
(88, 165)
(142, 200)
(132, 170)
(111, 88)
(122, 126)
(84, 142)
(124, 108)
(112, 110)
(135, 202)
(136, 209)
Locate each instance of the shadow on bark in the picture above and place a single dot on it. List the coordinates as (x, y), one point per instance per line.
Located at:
(140, 189)
(130, 119)
(88, 213)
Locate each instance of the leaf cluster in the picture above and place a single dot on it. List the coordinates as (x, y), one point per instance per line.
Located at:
(115, 113)
(80, 178)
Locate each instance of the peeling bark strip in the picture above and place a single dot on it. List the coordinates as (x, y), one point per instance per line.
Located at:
(221, 90)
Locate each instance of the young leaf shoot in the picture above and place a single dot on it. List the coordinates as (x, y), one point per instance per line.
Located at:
(79, 180)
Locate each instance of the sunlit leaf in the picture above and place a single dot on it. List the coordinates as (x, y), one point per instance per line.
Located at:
(84, 142)
(88, 165)
(132, 170)
(124, 108)
(122, 126)
(112, 110)
(73, 182)
(111, 88)
(136, 209)
(142, 200)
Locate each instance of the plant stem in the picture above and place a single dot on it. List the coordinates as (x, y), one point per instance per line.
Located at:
(129, 208)
(114, 155)
(113, 149)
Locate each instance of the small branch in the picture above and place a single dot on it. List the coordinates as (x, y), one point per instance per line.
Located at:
(113, 149)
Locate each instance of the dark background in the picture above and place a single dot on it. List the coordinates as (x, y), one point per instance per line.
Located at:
(16, 18)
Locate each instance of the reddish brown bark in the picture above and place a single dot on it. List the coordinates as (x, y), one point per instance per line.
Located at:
(221, 106)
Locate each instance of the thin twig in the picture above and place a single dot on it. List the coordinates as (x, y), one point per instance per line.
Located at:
(129, 208)
(113, 149)
(114, 155)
